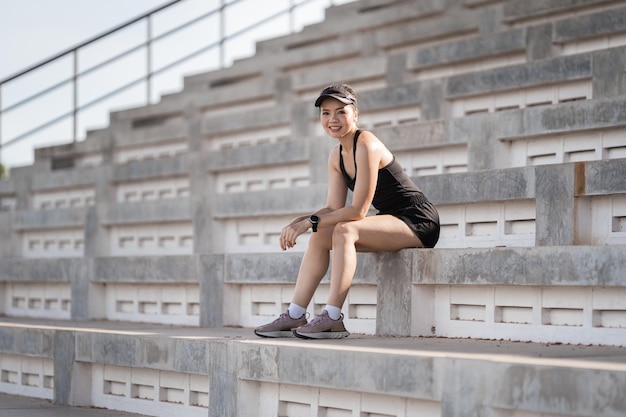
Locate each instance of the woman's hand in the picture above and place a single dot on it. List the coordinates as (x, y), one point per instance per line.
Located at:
(291, 232)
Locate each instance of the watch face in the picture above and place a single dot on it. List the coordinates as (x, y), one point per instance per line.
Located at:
(315, 219)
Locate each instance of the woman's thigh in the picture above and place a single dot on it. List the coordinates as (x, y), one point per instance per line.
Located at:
(382, 233)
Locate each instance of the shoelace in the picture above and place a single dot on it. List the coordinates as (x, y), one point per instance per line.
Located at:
(317, 319)
(320, 317)
(286, 316)
(282, 317)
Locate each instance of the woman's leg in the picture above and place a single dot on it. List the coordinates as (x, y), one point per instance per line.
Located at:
(312, 269)
(314, 266)
(372, 234)
(376, 233)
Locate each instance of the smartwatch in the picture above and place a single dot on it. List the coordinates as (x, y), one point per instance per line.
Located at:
(314, 221)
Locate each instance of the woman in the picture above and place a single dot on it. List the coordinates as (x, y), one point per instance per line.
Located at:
(406, 219)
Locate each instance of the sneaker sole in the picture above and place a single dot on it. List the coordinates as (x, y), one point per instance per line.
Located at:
(322, 335)
(275, 335)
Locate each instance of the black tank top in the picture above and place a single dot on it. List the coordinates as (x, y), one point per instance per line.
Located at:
(395, 191)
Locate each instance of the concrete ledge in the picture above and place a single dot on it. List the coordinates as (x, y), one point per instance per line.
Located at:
(44, 270)
(595, 266)
(455, 22)
(533, 9)
(148, 212)
(550, 71)
(261, 118)
(142, 170)
(18, 340)
(590, 26)
(251, 268)
(233, 89)
(509, 184)
(167, 354)
(153, 269)
(269, 203)
(240, 70)
(96, 142)
(386, 98)
(356, 68)
(468, 49)
(605, 177)
(420, 369)
(424, 134)
(66, 179)
(255, 268)
(169, 105)
(50, 219)
(267, 154)
(57, 151)
(159, 128)
(570, 117)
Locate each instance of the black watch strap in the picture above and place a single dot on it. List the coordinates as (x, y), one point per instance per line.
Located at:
(314, 222)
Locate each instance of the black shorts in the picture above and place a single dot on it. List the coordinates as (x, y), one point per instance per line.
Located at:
(426, 229)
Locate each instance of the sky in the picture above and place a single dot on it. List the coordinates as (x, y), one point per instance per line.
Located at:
(31, 30)
(34, 30)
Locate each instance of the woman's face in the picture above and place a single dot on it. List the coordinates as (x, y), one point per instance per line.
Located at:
(338, 119)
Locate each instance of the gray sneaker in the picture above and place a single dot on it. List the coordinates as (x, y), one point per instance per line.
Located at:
(322, 327)
(281, 327)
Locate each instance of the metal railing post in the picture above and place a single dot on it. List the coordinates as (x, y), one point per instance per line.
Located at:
(292, 20)
(149, 60)
(222, 33)
(1, 123)
(75, 98)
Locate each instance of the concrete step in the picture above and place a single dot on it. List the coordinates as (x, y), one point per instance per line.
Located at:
(162, 370)
(545, 294)
(20, 406)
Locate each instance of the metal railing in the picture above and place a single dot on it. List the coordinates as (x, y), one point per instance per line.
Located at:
(150, 72)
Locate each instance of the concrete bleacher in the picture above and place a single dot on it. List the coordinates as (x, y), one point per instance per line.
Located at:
(134, 264)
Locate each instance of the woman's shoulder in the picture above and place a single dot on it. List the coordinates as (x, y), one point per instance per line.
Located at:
(375, 148)
(367, 136)
(369, 140)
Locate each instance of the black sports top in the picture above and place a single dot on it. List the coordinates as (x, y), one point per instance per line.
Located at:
(395, 191)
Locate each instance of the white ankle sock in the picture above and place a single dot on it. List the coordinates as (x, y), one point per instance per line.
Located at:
(333, 312)
(295, 311)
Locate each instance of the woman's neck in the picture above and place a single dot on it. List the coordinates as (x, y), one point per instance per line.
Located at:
(347, 140)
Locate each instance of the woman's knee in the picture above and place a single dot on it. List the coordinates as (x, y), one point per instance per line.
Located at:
(343, 232)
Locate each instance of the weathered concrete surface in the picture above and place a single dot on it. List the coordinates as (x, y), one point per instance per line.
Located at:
(18, 406)
(468, 377)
